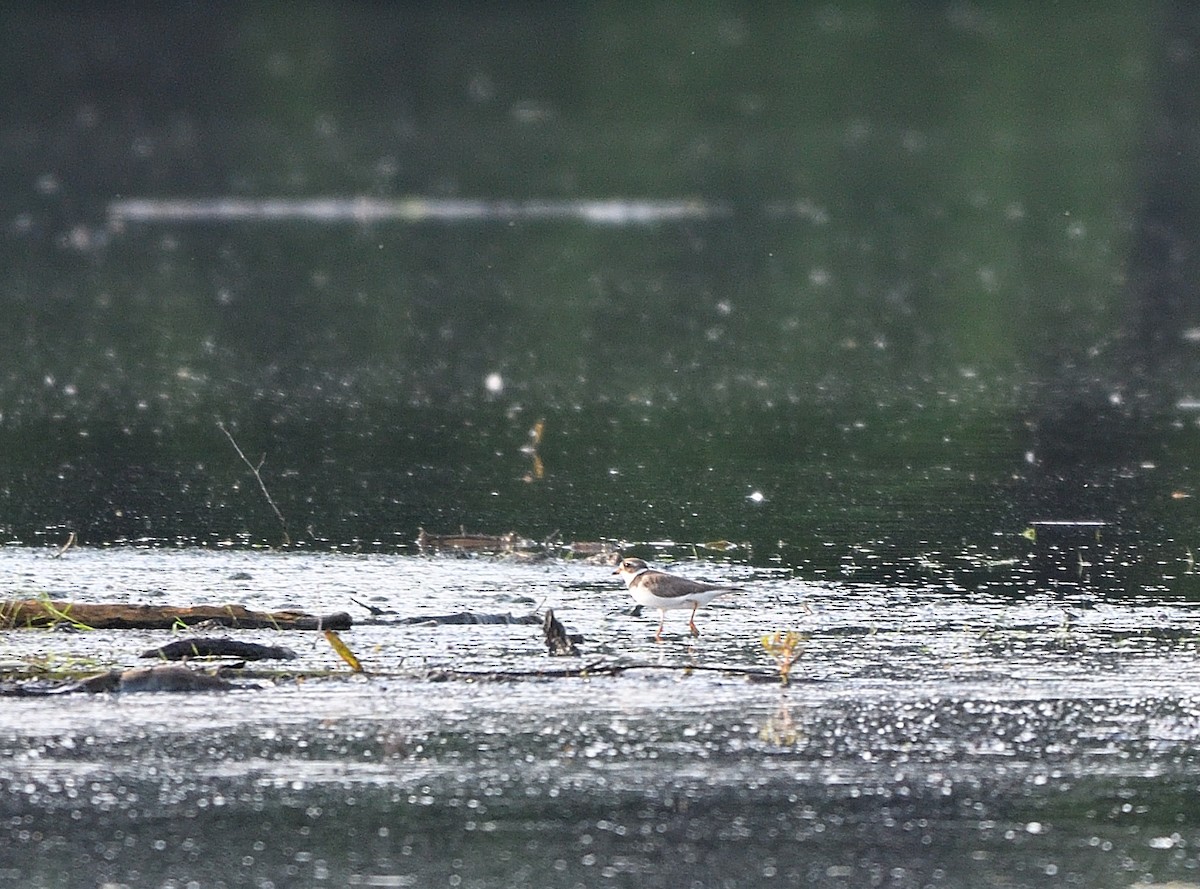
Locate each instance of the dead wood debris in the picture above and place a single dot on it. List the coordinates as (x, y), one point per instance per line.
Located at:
(459, 618)
(161, 678)
(22, 613)
(558, 641)
(472, 542)
(600, 668)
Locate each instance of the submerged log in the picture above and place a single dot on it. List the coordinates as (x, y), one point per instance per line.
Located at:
(17, 613)
(467, 617)
(167, 677)
(392, 617)
(164, 677)
(207, 647)
(467, 541)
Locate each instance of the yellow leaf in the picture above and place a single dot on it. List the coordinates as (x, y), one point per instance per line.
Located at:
(343, 650)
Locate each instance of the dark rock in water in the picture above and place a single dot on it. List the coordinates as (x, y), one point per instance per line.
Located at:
(203, 646)
(240, 575)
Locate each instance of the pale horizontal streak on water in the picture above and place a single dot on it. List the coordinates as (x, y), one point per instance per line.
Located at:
(409, 209)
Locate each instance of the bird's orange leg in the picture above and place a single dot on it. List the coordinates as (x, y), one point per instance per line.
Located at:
(692, 620)
(661, 622)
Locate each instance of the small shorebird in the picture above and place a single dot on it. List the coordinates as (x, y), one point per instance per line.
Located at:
(657, 589)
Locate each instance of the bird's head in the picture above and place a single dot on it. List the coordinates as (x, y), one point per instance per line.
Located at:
(631, 568)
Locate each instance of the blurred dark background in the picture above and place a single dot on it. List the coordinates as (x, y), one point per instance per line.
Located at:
(934, 281)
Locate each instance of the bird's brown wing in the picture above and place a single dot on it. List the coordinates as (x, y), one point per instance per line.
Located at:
(669, 586)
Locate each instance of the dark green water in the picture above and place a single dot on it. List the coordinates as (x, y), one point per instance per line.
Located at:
(930, 287)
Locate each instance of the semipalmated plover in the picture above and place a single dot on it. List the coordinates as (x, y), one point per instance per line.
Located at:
(657, 589)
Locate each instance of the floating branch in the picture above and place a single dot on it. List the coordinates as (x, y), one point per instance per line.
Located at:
(28, 613)
(287, 540)
(375, 610)
(596, 668)
(467, 617)
(16, 612)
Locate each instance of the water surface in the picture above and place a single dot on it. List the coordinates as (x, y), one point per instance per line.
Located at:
(881, 310)
(925, 738)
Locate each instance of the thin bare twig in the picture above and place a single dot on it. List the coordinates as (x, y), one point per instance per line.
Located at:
(66, 546)
(600, 668)
(287, 540)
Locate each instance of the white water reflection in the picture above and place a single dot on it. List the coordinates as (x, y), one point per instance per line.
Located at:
(926, 732)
